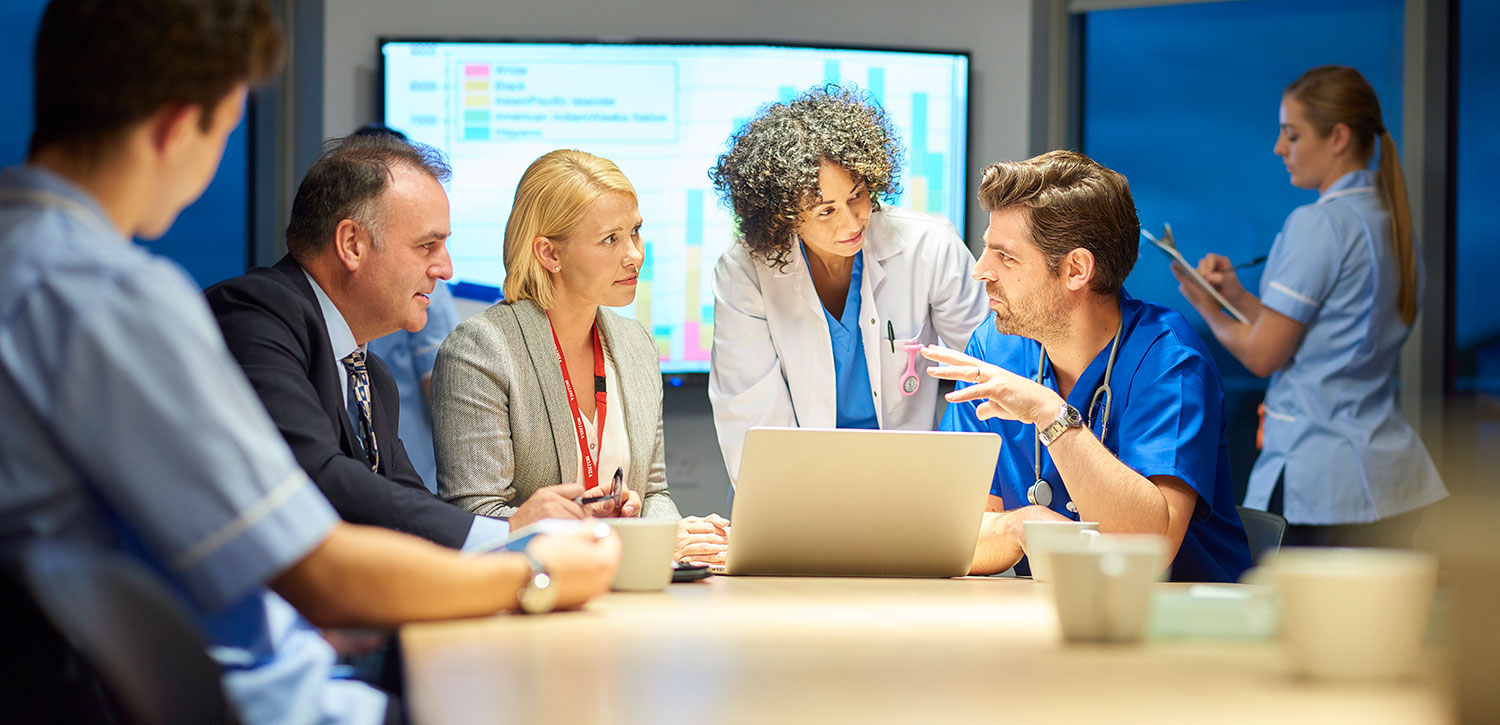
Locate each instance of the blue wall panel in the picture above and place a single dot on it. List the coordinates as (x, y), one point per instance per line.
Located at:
(1183, 100)
(211, 237)
(1477, 233)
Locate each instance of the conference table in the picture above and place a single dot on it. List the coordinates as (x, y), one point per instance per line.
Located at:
(793, 650)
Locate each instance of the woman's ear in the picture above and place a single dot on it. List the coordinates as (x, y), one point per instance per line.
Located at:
(1340, 137)
(546, 253)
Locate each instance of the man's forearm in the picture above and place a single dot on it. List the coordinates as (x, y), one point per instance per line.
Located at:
(370, 577)
(998, 548)
(1106, 490)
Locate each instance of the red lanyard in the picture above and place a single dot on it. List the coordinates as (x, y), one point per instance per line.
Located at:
(590, 464)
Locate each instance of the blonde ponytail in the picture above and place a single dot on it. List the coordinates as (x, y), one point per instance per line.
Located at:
(1393, 191)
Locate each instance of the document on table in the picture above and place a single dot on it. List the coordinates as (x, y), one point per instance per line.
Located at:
(1167, 246)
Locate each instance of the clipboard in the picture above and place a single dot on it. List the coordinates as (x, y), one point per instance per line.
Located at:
(1169, 247)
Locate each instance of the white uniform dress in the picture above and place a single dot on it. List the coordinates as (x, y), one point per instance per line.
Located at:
(772, 354)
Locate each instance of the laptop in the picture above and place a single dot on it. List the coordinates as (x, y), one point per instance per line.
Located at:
(884, 503)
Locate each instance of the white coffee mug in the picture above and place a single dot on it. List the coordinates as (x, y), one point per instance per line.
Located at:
(1102, 586)
(1043, 536)
(646, 547)
(1354, 613)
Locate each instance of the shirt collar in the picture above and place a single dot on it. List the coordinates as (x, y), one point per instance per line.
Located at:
(340, 337)
(1352, 180)
(80, 204)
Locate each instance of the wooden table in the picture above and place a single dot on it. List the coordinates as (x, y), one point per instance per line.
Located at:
(790, 650)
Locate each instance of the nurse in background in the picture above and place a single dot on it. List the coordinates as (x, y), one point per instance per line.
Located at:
(1336, 303)
(816, 303)
(410, 356)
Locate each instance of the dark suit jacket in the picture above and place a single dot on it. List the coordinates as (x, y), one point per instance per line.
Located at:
(274, 327)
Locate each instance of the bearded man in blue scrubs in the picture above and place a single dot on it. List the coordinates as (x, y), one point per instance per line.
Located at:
(1111, 408)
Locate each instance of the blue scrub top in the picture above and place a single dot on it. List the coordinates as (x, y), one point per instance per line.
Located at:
(856, 402)
(1167, 419)
(410, 356)
(1333, 431)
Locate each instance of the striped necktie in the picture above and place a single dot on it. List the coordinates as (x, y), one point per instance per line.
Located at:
(354, 362)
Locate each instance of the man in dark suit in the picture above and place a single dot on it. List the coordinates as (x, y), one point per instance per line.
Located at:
(366, 246)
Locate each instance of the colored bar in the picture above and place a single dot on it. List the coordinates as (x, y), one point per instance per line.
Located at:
(917, 192)
(694, 262)
(693, 238)
(694, 218)
(643, 303)
(476, 85)
(917, 162)
(831, 72)
(476, 101)
(695, 346)
(476, 69)
(663, 337)
(934, 172)
(482, 117)
(877, 85)
(472, 133)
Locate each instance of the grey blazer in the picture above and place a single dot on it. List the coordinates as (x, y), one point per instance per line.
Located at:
(501, 424)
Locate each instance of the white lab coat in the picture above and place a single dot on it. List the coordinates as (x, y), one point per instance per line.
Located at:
(773, 356)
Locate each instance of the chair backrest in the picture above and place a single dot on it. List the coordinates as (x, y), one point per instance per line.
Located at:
(139, 641)
(1264, 530)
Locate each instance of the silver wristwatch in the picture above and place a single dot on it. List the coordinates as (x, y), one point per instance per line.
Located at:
(1067, 418)
(539, 595)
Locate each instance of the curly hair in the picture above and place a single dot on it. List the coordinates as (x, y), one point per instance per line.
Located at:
(770, 172)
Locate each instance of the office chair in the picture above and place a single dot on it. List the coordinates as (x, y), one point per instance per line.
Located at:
(1264, 529)
(138, 644)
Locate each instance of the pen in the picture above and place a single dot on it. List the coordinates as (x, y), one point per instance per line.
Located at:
(1258, 260)
(890, 331)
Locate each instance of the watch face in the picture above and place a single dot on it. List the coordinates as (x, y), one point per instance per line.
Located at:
(538, 596)
(1071, 416)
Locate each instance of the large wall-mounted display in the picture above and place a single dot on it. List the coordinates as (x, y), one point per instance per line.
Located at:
(662, 112)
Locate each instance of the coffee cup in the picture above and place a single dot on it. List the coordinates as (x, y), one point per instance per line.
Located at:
(1102, 586)
(1043, 536)
(1354, 613)
(646, 547)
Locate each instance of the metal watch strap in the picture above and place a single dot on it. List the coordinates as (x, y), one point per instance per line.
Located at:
(1067, 417)
(537, 595)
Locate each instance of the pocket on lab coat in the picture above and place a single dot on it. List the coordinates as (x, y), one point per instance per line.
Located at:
(894, 365)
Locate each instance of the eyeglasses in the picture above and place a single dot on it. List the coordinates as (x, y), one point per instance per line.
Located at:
(617, 493)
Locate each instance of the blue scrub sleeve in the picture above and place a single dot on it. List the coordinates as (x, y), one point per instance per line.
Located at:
(1304, 265)
(163, 422)
(1172, 424)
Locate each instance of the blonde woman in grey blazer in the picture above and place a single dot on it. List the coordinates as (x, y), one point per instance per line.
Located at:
(505, 432)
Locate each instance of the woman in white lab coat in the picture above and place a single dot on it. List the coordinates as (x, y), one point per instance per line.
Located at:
(815, 305)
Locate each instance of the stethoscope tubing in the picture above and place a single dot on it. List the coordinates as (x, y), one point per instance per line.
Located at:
(1036, 493)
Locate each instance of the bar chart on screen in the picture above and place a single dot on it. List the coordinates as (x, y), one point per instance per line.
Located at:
(663, 114)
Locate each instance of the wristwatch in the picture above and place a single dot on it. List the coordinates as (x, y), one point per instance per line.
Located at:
(1067, 418)
(539, 594)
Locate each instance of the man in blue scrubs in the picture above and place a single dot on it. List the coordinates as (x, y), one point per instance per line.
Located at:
(126, 423)
(1111, 408)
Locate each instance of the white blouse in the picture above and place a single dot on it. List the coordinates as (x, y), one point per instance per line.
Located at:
(616, 439)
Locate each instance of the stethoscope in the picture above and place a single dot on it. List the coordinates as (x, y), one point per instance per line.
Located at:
(1040, 492)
